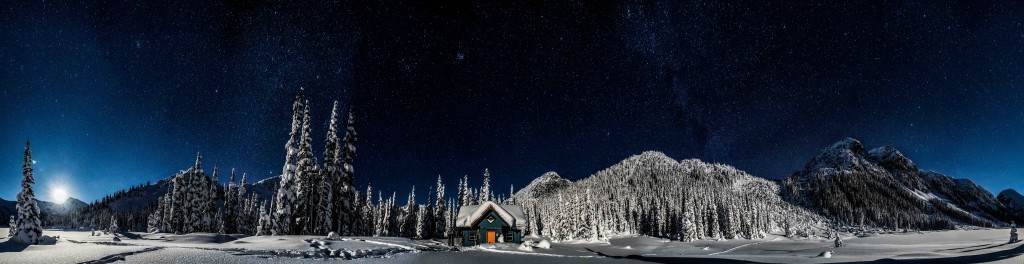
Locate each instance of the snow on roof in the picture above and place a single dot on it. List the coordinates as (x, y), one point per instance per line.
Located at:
(512, 214)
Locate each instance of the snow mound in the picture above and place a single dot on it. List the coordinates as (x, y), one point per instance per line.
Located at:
(526, 246)
(545, 244)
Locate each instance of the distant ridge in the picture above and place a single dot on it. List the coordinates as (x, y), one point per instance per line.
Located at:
(883, 188)
(48, 210)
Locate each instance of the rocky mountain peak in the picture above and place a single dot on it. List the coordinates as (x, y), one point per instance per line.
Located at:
(890, 158)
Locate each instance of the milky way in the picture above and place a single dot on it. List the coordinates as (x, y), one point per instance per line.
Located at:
(114, 95)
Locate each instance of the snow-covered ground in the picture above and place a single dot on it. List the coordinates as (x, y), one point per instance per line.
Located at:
(962, 246)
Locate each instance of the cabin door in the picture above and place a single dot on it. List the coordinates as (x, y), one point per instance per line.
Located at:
(490, 236)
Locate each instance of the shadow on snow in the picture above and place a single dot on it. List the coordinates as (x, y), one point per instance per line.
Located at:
(11, 246)
(987, 257)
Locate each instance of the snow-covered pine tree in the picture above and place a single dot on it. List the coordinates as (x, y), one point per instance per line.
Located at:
(209, 206)
(306, 179)
(450, 216)
(347, 192)
(357, 208)
(1013, 233)
(594, 216)
(689, 230)
(284, 202)
(230, 211)
(252, 218)
(558, 218)
(30, 229)
(154, 219)
(324, 222)
(393, 217)
(162, 219)
(731, 223)
(12, 227)
(385, 214)
(428, 217)
(251, 215)
(263, 225)
(421, 221)
(210, 189)
(379, 216)
(197, 196)
(578, 218)
(367, 219)
(178, 203)
(511, 194)
(242, 205)
(463, 192)
(713, 225)
(474, 196)
(440, 227)
(203, 200)
(528, 213)
(407, 224)
(282, 221)
(271, 219)
(329, 205)
(113, 228)
(485, 188)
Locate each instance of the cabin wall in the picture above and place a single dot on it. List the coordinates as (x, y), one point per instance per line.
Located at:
(478, 234)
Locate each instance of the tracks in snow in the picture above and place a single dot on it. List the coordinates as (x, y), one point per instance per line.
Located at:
(736, 247)
(120, 256)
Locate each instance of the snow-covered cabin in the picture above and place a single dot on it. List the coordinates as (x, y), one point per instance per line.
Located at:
(490, 223)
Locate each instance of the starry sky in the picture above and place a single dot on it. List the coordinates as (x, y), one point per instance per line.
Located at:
(116, 94)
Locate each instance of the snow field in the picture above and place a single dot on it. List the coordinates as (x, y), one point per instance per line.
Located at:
(958, 246)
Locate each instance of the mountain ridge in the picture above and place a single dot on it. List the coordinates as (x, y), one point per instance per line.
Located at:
(47, 209)
(885, 176)
(541, 186)
(882, 187)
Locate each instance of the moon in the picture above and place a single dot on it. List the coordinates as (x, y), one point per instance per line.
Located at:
(58, 194)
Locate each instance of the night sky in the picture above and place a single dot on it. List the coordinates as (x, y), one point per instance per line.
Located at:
(118, 94)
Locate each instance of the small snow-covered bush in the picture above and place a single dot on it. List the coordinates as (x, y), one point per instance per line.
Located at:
(332, 236)
(545, 244)
(526, 246)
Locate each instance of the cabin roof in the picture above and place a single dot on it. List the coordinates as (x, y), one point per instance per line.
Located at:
(511, 214)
